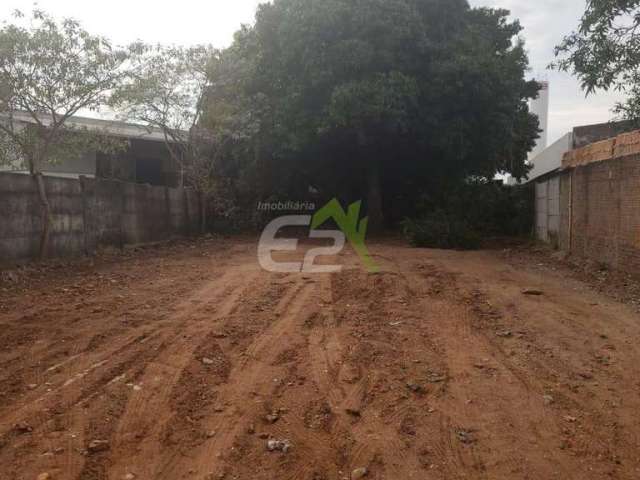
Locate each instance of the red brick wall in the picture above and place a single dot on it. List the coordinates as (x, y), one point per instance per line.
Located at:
(600, 212)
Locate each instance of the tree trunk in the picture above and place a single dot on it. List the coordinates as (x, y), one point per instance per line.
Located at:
(374, 200)
(203, 213)
(46, 215)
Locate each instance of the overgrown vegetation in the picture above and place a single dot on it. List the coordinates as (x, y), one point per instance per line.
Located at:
(376, 100)
(439, 229)
(469, 213)
(372, 100)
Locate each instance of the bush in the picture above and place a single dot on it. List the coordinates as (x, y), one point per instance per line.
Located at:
(439, 230)
(461, 216)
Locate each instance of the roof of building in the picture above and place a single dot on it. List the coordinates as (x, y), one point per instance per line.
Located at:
(550, 159)
(115, 128)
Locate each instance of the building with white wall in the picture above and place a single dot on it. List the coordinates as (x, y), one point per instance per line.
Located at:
(540, 107)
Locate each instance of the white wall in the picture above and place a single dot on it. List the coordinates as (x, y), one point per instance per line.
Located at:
(551, 158)
(548, 210)
(540, 106)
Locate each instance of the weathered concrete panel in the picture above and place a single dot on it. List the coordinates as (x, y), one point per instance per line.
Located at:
(88, 213)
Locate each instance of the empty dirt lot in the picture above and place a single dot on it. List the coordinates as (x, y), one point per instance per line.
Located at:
(183, 362)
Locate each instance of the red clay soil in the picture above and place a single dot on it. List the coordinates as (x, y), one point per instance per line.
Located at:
(190, 362)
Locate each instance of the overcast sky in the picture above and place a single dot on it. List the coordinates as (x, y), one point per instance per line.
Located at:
(214, 21)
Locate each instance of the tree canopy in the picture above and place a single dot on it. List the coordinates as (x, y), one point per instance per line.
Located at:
(167, 90)
(49, 71)
(378, 100)
(604, 52)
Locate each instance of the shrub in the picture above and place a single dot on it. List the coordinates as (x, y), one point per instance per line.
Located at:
(461, 216)
(438, 230)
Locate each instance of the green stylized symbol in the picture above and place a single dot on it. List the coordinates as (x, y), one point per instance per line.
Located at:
(349, 222)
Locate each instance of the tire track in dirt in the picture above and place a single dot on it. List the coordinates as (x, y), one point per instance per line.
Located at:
(85, 367)
(435, 368)
(87, 377)
(70, 331)
(249, 378)
(390, 349)
(477, 371)
(345, 384)
(559, 354)
(516, 398)
(148, 409)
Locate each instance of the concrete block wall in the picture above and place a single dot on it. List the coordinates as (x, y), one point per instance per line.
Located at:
(89, 213)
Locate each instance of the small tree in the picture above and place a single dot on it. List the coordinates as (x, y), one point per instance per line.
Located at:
(167, 92)
(604, 52)
(50, 71)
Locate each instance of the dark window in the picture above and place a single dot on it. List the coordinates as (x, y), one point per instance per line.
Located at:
(149, 170)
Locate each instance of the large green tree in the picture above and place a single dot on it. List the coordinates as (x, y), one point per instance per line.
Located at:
(604, 52)
(379, 99)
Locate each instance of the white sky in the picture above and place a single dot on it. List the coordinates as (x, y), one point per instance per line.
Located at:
(215, 21)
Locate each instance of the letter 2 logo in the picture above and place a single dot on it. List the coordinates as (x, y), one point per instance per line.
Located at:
(350, 226)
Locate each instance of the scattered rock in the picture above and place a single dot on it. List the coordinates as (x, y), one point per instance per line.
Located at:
(359, 473)
(416, 388)
(586, 375)
(44, 476)
(548, 399)
(274, 445)
(129, 476)
(435, 377)
(560, 256)
(207, 361)
(354, 412)
(263, 435)
(570, 419)
(532, 292)
(272, 417)
(22, 427)
(465, 436)
(504, 334)
(251, 429)
(211, 433)
(96, 446)
(9, 277)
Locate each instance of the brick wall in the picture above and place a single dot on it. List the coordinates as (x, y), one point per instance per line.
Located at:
(600, 211)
